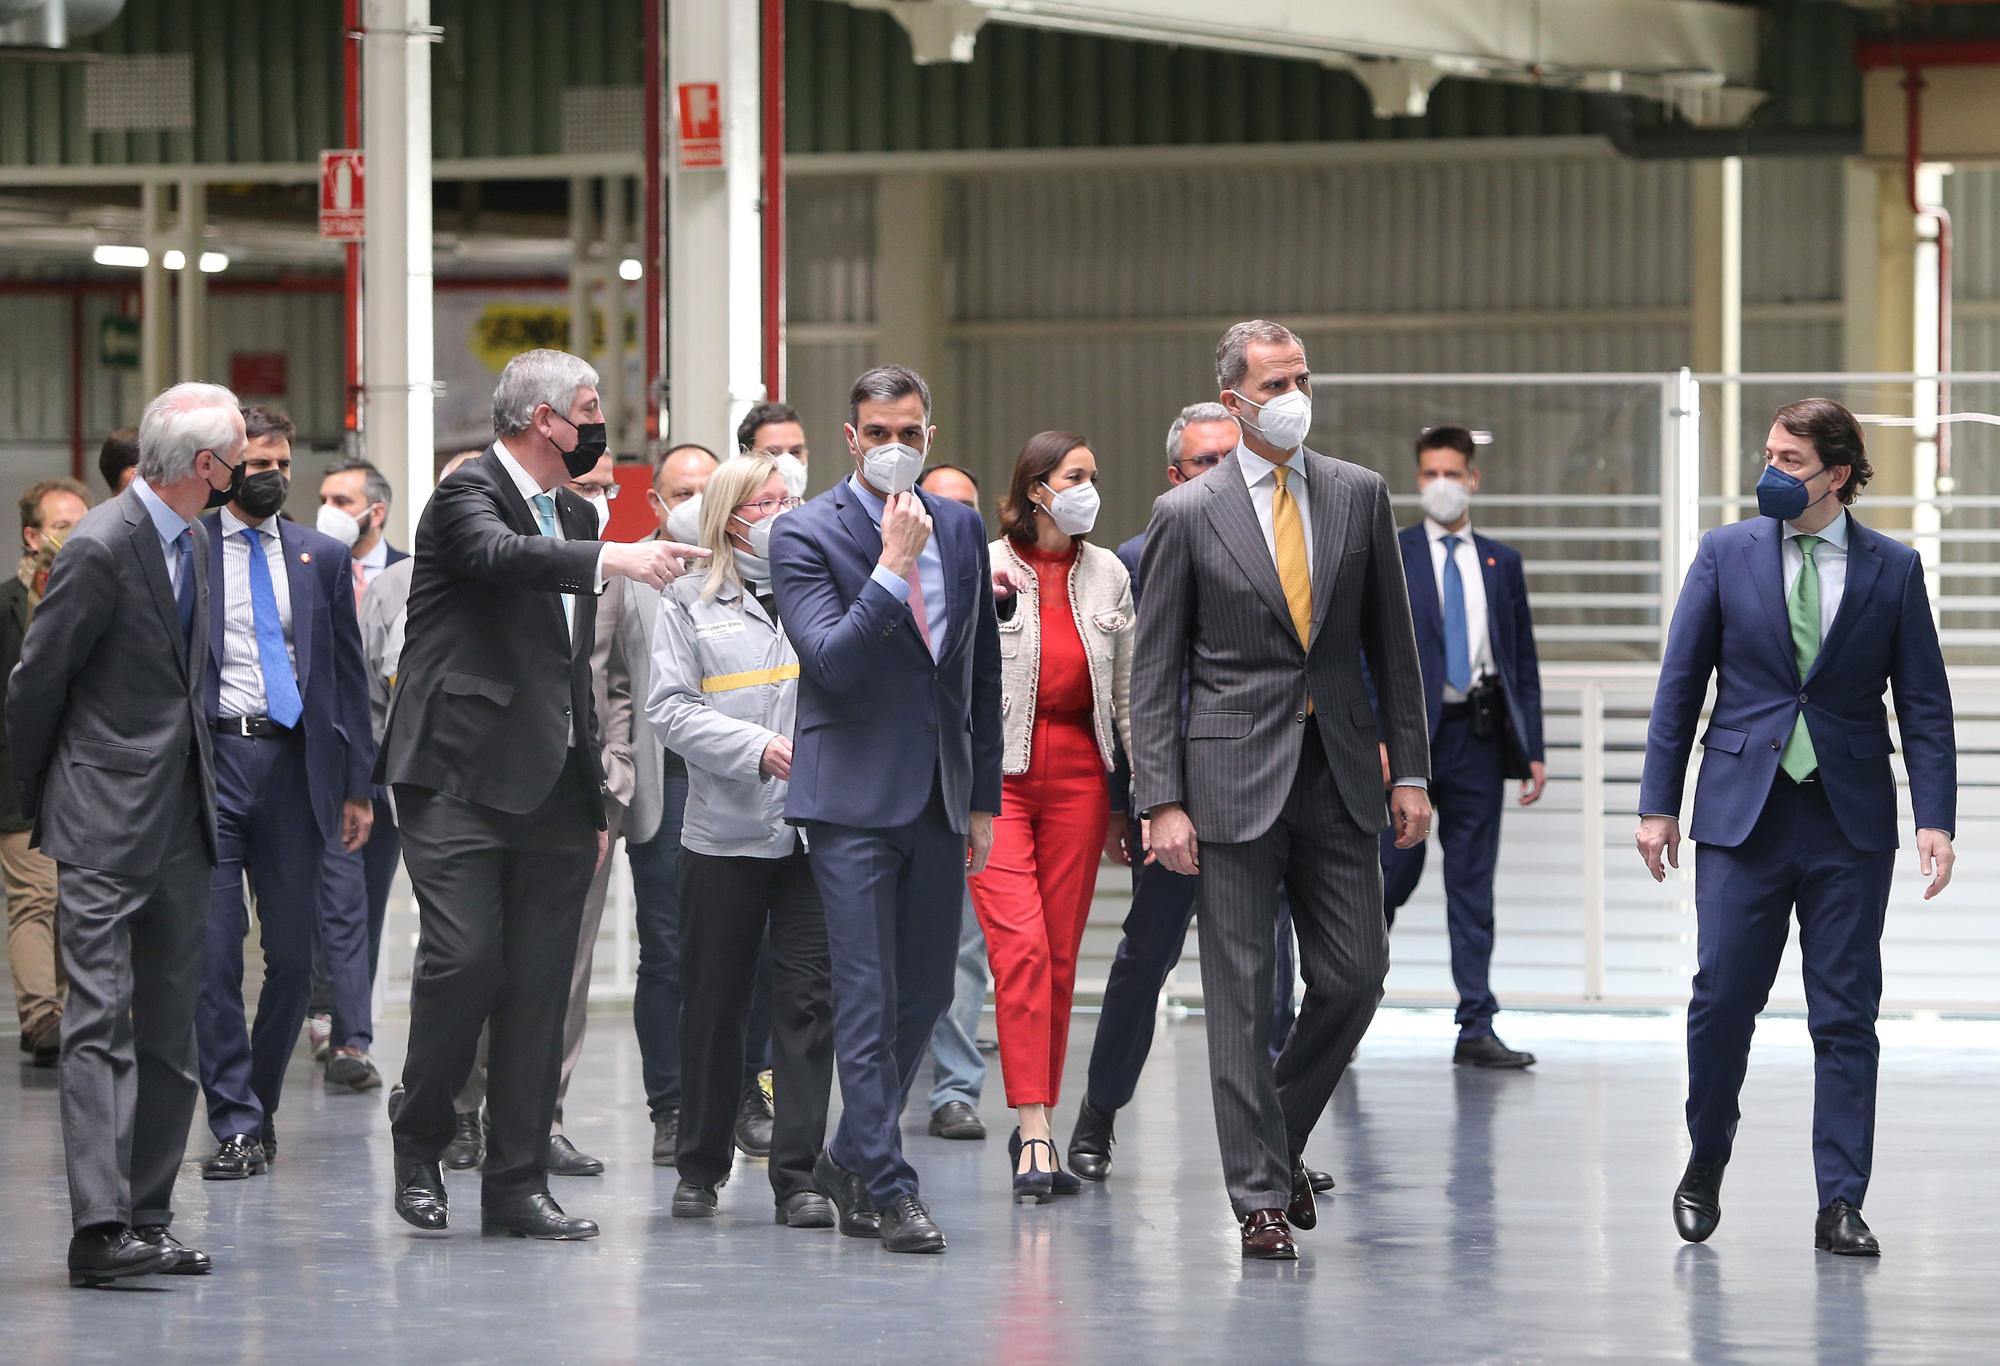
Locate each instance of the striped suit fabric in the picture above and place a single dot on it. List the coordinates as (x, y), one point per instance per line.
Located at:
(1276, 765)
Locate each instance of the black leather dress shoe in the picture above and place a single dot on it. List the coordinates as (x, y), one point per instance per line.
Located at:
(907, 1227)
(666, 1138)
(1486, 1050)
(807, 1209)
(1301, 1213)
(565, 1160)
(420, 1196)
(753, 1122)
(1267, 1238)
(956, 1119)
(239, 1156)
(270, 1143)
(187, 1262)
(858, 1215)
(1698, 1201)
(535, 1216)
(1090, 1142)
(692, 1200)
(1322, 1182)
(104, 1253)
(467, 1148)
(1841, 1230)
(395, 1105)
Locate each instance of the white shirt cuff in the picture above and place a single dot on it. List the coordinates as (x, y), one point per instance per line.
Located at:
(898, 586)
(1417, 783)
(598, 587)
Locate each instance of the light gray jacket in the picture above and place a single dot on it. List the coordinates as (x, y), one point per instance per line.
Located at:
(725, 681)
(1100, 599)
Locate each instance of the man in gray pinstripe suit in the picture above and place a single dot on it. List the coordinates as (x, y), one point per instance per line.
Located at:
(1267, 582)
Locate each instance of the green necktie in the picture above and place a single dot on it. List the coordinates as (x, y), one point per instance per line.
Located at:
(1798, 760)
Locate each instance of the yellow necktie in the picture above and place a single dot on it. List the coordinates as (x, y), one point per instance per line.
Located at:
(1289, 534)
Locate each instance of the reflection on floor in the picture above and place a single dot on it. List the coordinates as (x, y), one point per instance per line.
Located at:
(1478, 1217)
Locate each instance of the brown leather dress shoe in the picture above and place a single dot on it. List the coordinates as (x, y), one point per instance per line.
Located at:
(1302, 1212)
(1267, 1237)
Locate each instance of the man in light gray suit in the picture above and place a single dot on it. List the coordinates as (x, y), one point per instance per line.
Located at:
(112, 758)
(1266, 584)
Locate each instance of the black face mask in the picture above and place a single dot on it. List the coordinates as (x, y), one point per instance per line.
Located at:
(590, 447)
(264, 493)
(220, 497)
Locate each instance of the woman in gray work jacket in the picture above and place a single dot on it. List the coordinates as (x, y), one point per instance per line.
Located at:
(724, 695)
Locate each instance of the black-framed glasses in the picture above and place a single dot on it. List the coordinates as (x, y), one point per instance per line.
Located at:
(1201, 462)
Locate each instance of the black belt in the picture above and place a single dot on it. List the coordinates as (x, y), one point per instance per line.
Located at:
(1457, 711)
(249, 726)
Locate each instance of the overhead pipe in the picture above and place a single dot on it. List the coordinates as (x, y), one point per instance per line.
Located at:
(772, 225)
(1674, 142)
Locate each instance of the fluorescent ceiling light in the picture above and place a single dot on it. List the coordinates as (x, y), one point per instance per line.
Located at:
(175, 258)
(108, 254)
(213, 263)
(630, 269)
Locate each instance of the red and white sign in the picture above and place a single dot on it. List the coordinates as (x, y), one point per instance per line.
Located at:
(260, 374)
(341, 201)
(699, 146)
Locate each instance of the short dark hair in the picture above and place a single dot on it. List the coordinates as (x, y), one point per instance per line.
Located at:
(374, 483)
(971, 478)
(1835, 437)
(675, 449)
(886, 382)
(1447, 439)
(1038, 460)
(31, 501)
(762, 416)
(261, 421)
(119, 453)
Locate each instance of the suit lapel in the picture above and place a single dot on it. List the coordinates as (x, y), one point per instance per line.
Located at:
(956, 611)
(1496, 595)
(1421, 579)
(520, 518)
(204, 609)
(216, 574)
(1234, 517)
(868, 541)
(1864, 566)
(1327, 494)
(153, 564)
(1764, 561)
(579, 523)
(304, 586)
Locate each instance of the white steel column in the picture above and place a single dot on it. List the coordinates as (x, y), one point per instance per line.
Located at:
(909, 244)
(398, 360)
(1924, 518)
(615, 237)
(192, 361)
(1717, 314)
(155, 337)
(714, 280)
(582, 239)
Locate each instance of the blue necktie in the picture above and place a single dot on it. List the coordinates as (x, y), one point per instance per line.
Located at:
(1457, 646)
(545, 511)
(184, 583)
(281, 685)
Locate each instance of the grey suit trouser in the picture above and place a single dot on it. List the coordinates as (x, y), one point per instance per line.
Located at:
(1331, 870)
(132, 946)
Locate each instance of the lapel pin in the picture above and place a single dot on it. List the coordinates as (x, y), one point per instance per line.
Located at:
(1493, 562)
(306, 557)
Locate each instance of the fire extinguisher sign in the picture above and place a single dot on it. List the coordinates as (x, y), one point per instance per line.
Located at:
(341, 201)
(699, 144)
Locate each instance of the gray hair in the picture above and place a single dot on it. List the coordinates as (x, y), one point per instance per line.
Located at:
(374, 484)
(534, 378)
(728, 488)
(1193, 413)
(886, 382)
(1232, 361)
(185, 420)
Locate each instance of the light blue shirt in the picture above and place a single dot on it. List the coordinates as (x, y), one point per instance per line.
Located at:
(1831, 557)
(930, 570)
(169, 524)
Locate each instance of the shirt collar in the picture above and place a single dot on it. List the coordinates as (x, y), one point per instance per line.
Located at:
(876, 506)
(1834, 533)
(233, 525)
(1437, 531)
(1256, 469)
(377, 556)
(523, 481)
(166, 521)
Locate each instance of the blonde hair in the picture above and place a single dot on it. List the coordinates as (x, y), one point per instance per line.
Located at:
(734, 480)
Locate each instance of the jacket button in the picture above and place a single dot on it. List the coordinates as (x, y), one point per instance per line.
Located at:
(930, 725)
(1802, 699)
(1776, 745)
(1300, 717)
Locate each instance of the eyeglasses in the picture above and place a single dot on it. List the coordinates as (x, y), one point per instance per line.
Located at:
(1201, 462)
(586, 491)
(770, 507)
(773, 452)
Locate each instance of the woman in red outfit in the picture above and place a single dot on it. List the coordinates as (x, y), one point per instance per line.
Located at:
(1066, 669)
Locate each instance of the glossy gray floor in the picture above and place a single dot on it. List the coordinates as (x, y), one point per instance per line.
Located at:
(1479, 1218)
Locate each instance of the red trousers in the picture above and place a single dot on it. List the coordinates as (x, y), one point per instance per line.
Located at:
(1034, 897)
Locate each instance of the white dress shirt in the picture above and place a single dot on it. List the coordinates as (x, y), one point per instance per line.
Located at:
(241, 679)
(168, 524)
(530, 490)
(1479, 639)
(1257, 473)
(1831, 557)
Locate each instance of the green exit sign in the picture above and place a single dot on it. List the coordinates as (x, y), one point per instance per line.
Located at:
(118, 342)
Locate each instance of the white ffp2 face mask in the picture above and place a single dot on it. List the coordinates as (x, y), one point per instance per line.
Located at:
(793, 471)
(603, 507)
(1284, 421)
(331, 521)
(892, 468)
(1445, 500)
(1074, 510)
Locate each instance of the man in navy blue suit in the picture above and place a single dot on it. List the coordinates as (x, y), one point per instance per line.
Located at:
(1483, 696)
(287, 699)
(1804, 617)
(895, 775)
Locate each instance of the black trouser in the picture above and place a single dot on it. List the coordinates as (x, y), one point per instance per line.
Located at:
(500, 900)
(726, 905)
